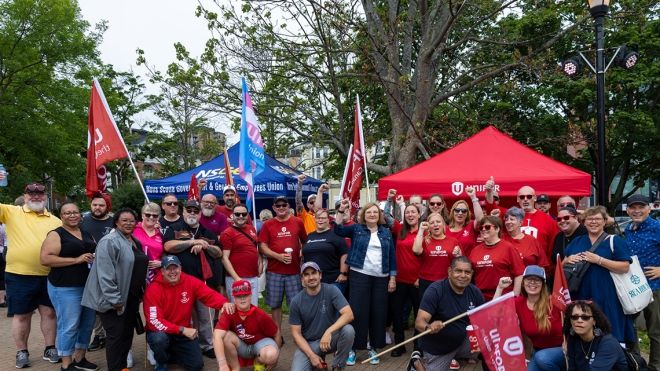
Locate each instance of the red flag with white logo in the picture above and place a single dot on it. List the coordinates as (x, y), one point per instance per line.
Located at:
(104, 142)
(498, 333)
(561, 297)
(355, 167)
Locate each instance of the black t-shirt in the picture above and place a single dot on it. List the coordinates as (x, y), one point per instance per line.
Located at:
(71, 247)
(325, 249)
(97, 228)
(191, 263)
(139, 274)
(166, 224)
(443, 303)
(561, 241)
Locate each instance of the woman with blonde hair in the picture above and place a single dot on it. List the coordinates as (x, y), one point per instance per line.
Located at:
(461, 226)
(149, 235)
(539, 320)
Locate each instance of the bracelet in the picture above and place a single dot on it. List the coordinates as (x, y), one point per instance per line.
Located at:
(600, 261)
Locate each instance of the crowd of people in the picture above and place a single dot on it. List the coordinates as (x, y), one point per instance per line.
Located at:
(350, 278)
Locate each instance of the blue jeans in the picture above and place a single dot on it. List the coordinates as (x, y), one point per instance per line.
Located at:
(74, 322)
(548, 359)
(175, 348)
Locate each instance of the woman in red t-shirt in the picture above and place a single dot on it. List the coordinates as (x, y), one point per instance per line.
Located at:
(407, 269)
(528, 247)
(495, 258)
(436, 250)
(461, 226)
(540, 320)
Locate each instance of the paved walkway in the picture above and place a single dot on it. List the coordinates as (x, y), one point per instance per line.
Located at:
(36, 346)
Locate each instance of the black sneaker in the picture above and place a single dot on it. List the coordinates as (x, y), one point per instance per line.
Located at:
(209, 353)
(22, 359)
(97, 344)
(84, 365)
(50, 355)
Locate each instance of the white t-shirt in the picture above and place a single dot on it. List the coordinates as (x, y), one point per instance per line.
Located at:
(373, 260)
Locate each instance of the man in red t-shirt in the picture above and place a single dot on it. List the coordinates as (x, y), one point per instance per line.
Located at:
(247, 333)
(281, 239)
(240, 252)
(537, 223)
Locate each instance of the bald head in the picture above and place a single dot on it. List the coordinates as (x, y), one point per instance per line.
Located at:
(208, 205)
(564, 201)
(526, 199)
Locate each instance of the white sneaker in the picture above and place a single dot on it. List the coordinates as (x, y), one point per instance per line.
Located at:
(129, 359)
(150, 357)
(388, 338)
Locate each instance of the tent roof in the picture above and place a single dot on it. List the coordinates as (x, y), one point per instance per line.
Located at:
(473, 161)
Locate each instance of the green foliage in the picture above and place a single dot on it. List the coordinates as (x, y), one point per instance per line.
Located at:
(128, 194)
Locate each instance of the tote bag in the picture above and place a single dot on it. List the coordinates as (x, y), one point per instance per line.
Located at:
(632, 288)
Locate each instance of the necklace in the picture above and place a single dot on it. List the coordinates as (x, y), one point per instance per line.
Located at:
(586, 354)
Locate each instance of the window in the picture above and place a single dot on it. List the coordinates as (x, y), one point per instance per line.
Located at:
(319, 153)
(317, 172)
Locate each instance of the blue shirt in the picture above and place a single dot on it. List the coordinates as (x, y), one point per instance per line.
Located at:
(644, 241)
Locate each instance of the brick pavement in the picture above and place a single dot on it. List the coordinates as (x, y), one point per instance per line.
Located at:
(36, 345)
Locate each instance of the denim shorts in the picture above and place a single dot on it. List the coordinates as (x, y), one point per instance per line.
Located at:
(25, 293)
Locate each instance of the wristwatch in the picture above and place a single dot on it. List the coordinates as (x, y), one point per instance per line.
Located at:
(181, 328)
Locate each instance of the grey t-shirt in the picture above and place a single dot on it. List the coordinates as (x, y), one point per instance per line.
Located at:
(316, 313)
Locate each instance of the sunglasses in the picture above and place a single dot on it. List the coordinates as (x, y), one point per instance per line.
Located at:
(37, 188)
(240, 289)
(436, 203)
(173, 203)
(242, 215)
(192, 210)
(280, 206)
(525, 197)
(461, 211)
(584, 317)
(486, 227)
(564, 218)
(567, 204)
(147, 215)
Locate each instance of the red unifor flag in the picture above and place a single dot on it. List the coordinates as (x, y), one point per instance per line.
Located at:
(498, 333)
(561, 297)
(104, 142)
(193, 189)
(355, 167)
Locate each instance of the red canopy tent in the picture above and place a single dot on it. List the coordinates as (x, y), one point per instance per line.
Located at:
(472, 162)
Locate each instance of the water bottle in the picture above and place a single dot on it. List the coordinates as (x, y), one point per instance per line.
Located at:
(3, 171)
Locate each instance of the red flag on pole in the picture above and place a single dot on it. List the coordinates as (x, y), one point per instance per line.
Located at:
(104, 142)
(498, 333)
(229, 180)
(561, 297)
(355, 170)
(193, 191)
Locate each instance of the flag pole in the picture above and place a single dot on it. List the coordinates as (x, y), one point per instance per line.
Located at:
(343, 179)
(364, 153)
(137, 176)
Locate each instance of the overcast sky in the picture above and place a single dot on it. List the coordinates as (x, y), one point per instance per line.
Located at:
(152, 25)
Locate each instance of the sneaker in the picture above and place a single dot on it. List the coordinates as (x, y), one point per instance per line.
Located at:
(129, 359)
(50, 355)
(373, 352)
(350, 361)
(415, 356)
(256, 366)
(209, 353)
(97, 344)
(454, 365)
(84, 365)
(22, 359)
(150, 357)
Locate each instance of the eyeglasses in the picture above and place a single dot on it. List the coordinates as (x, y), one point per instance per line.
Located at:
(71, 213)
(35, 188)
(532, 281)
(192, 210)
(147, 215)
(566, 204)
(280, 206)
(564, 218)
(241, 215)
(594, 220)
(173, 203)
(209, 202)
(525, 197)
(486, 227)
(461, 211)
(436, 203)
(584, 317)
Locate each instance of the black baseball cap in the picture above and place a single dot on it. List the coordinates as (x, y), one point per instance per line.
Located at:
(280, 198)
(638, 199)
(543, 198)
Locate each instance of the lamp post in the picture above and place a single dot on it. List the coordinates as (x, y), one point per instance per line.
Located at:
(598, 10)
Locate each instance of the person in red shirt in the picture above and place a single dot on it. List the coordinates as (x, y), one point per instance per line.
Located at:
(168, 305)
(280, 240)
(248, 333)
(461, 226)
(495, 258)
(537, 223)
(527, 246)
(539, 320)
(436, 251)
(240, 253)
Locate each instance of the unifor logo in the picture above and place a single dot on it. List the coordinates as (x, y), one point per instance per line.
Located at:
(635, 279)
(457, 188)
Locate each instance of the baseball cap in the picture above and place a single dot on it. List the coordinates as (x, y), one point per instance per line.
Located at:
(280, 198)
(543, 198)
(241, 288)
(310, 265)
(310, 197)
(228, 187)
(638, 199)
(192, 203)
(534, 270)
(35, 188)
(169, 260)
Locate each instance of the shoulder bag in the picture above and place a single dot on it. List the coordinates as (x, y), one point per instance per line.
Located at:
(632, 288)
(575, 272)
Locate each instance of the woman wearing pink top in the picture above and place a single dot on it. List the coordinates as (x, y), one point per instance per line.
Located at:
(148, 233)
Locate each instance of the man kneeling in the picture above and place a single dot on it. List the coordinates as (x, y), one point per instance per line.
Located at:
(168, 306)
(248, 333)
(320, 319)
